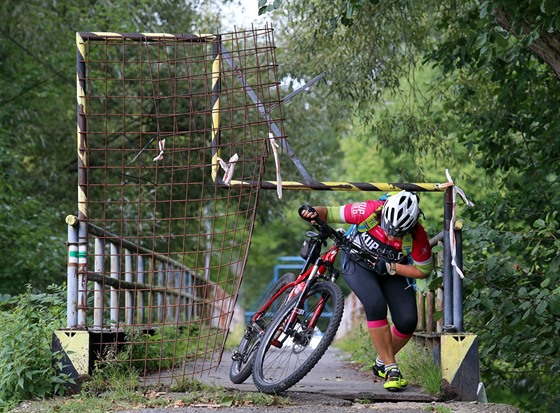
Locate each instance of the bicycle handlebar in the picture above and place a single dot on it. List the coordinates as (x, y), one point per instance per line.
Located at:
(337, 237)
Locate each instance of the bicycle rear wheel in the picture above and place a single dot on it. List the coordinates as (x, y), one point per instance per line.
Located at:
(242, 358)
(288, 351)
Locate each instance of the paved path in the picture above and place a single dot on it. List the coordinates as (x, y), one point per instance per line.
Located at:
(334, 386)
(332, 377)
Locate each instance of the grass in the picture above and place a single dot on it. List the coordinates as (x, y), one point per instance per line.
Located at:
(415, 361)
(116, 388)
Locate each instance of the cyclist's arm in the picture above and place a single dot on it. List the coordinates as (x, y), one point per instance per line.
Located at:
(422, 259)
(346, 214)
(409, 271)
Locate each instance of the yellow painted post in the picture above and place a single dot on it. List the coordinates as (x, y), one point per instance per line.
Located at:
(459, 366)
(74, 347)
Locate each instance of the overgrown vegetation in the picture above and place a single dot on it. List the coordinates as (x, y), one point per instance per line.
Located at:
(523, 267)
(117, 387)
(489, 102)
(27, 323)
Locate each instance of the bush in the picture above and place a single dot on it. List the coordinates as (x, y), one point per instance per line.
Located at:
(514, 306)
(27, 323)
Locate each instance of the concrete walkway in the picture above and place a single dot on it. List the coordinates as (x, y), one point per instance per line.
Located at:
(332, 377)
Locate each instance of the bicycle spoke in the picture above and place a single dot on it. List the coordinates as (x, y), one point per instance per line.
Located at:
(292, 349)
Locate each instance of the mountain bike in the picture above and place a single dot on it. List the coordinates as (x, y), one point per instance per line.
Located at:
(305, 324)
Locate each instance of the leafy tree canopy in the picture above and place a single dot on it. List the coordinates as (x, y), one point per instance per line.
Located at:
(472, 85)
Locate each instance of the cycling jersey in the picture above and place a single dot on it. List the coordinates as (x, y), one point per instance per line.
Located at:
(376, 240)
(376, 293)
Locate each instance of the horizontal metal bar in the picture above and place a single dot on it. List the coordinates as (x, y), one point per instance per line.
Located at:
(145, 37)
(340, 186)
(125, 285)
(132, 247)
(437, 238)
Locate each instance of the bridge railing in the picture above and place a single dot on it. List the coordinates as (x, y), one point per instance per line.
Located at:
(133, 285)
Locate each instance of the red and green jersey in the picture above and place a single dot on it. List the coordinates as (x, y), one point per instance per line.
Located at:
(415, 247)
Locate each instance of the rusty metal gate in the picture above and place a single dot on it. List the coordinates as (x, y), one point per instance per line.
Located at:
(160, 240)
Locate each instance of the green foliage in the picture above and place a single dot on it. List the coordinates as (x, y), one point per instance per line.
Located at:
(518, 335)
(266, 6)
(118, 378)
(417, 361)
(456, 83)
(166, 348)
(38, 120)
(118, 385)
(32, 252)
(429, 86)
(120, 395)
(26, 328)
(358, 344)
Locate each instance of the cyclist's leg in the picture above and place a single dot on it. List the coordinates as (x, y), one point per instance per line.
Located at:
(401, 299)
(374, 292)
(367, 287)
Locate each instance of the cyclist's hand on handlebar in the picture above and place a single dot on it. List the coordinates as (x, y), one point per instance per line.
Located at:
(308, 213)
(382, 266)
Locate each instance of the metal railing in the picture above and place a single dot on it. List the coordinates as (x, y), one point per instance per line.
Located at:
(441, 310)
(150, 290)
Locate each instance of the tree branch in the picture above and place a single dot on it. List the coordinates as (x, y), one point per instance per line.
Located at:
(546, 46)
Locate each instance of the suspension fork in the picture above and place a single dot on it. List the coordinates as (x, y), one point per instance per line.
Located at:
(318, 311)
(298, 308)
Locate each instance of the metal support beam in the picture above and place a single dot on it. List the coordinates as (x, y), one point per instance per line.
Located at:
(457, 280)
(448, 325)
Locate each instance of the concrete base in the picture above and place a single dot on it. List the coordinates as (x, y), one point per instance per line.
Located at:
(457, 355)
(80, 349)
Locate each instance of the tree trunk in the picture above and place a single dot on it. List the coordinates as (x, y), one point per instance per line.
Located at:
(546, 46)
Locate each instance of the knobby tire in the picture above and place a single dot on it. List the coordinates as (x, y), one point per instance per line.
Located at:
(241, 369)
(277, 369)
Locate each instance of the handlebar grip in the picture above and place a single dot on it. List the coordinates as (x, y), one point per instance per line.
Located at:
(310, 209)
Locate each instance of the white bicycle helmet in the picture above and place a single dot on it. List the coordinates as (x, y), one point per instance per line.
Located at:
(400, 213)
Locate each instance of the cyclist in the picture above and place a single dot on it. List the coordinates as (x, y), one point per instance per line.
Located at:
(389, 229)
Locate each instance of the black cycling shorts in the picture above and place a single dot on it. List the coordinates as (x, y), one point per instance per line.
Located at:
(377, 293)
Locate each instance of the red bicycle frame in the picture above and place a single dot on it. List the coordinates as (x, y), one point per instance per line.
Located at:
(318, 269)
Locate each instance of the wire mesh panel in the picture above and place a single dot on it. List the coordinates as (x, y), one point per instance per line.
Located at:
(163, 238)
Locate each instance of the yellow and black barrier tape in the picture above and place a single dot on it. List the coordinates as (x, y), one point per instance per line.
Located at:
(339, 186)
(154, 37)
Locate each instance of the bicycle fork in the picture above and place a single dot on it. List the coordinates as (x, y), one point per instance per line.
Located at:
(252, 329)
(288, 326)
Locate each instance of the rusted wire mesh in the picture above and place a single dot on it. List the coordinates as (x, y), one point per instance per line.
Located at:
(167, 239)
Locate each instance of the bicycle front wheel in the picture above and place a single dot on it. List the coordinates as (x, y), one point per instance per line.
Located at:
(242, 358)
(289, 350)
